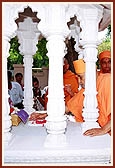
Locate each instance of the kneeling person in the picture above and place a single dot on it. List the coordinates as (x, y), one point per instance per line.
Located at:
(75, 104)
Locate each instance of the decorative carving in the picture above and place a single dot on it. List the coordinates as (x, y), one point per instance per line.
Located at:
(6, 108)
(28, 38)
(27, 13)
(55, 107)
(60, 156)
(73, 43)
(56, 127)
(89, 20)
(62, 148)
(75, 31)
(55, 29)
(53, 16)
(53, 25)
(55, 141)
(10, 12)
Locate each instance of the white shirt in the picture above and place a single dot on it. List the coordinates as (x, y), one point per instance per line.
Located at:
(16, 93)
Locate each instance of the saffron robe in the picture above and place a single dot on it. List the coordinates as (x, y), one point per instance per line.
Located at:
(75, 104)
(70, 78)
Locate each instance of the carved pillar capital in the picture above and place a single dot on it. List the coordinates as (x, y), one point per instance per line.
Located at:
(89, 23)
(55, 20)
(28, 36)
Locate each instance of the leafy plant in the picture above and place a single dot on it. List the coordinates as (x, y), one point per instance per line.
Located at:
(105, 45)
(15, 56)
(109, 31)
(39, 59)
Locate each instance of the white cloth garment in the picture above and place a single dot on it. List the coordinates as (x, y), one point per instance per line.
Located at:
(44, 90)
(16, 93)
(37, 105)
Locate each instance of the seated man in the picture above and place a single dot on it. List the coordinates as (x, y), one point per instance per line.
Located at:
(75, 105)
(15, 92)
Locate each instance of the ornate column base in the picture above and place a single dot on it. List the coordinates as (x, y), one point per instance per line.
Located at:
(90, 119)
(7, 129)
(57, 126)
(55, 141)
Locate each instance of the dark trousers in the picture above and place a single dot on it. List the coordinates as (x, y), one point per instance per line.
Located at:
(19, 105)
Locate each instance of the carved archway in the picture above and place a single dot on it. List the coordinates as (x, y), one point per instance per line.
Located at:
(56, 34)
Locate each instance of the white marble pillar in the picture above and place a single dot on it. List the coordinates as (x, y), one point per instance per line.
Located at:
(8, 31)
(28, 38)
(56, 106)
(28, 92)
(5, 105)
(89, 20)
(55, 29)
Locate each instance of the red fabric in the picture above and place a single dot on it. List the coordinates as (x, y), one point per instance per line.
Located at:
(11, 109)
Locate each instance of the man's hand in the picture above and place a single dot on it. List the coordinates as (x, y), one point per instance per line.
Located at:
(94, 132)
(35, 116)
(99, 131)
